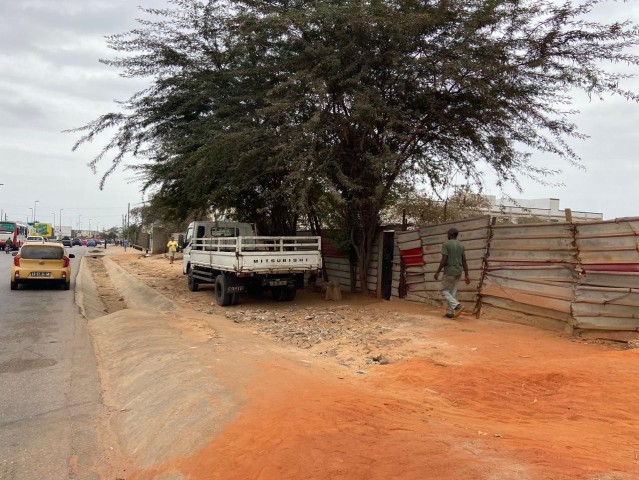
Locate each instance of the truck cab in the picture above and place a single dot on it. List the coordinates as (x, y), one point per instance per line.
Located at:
(211, 229)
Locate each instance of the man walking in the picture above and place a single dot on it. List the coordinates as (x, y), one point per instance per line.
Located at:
(172, 246)
(453, 262)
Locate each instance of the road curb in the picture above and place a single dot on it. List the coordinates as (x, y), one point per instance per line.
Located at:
(158, 392)
(135, 293)
(86, 293)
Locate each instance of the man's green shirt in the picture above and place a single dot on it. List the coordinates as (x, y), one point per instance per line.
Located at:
(454, 252)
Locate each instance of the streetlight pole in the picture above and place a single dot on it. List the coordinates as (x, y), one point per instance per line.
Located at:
(34, 211)
(60, 231)
(89, 227)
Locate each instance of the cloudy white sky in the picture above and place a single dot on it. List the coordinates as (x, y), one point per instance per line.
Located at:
(51, 80)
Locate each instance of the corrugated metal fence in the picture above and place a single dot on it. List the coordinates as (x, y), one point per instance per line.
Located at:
(421, 285)
(607, 293)
(338, 267)
(573, 277)
(531, 273)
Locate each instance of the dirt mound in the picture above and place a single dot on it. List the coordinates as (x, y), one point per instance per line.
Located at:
(364, 389)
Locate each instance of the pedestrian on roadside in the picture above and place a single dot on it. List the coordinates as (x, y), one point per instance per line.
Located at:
(125, 243)
(453, 262)
(172, 246)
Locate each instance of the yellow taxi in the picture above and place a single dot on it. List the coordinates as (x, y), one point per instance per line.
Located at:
(39, 263)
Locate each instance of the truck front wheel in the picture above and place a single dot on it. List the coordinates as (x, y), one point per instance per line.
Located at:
(193, 284)
(222, 297)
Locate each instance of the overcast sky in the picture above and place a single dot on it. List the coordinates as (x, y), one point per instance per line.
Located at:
(51, 80)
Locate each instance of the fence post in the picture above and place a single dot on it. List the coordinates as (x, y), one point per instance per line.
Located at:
(568, 213)
(484, 267)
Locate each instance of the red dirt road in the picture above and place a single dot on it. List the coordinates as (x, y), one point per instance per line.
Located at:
(467, 399)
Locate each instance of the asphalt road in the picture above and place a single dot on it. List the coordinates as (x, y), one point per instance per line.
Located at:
(49, 387)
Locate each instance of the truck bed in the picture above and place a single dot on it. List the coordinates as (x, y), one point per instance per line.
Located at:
(257, 255)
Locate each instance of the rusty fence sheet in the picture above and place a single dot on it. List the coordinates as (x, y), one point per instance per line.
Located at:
(530, 274)
(408, 250)
(607, 292)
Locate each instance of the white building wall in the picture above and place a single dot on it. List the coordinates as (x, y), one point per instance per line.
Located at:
(545, 208)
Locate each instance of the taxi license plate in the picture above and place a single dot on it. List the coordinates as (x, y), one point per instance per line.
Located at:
(40, 274)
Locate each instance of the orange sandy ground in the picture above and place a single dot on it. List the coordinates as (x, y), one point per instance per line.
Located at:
(492, 401)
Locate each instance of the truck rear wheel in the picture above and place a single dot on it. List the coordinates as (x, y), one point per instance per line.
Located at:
(193, 284)
(222, 297)
(283, 294)
(278, 293)
(290, 294)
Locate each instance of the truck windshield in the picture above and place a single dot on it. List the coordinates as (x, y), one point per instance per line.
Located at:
(223, 232)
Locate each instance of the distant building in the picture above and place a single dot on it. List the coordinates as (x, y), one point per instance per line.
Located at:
(542, 210)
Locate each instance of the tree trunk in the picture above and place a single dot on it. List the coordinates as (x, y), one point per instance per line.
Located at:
(364, 257)
(353, 272)
(316, 230)
(363, 246)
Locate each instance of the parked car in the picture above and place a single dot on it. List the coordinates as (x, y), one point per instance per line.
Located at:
(90, 243)
(83, 242)
(39, 263)
(66, 241)
(77, 241)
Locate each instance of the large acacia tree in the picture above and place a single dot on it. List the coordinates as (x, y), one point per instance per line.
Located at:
(255, 103)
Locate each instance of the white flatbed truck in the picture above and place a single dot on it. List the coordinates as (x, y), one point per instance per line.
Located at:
(230, 256)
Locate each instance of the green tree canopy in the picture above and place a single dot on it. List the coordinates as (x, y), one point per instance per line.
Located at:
(254, 105)
(420, 209)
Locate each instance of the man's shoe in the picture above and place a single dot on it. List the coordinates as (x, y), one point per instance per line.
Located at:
(449, 315)
(458, 310)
